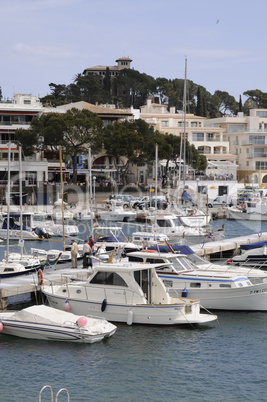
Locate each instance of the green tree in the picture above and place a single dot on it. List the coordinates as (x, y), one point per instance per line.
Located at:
(76, 131)
(227, 104)
(257, 98)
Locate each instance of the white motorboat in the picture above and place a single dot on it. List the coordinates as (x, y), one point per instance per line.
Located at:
(61, 208)
(11, 269)
(216, 288)
(249, 210)
(252, 254)
(170, 225)
(131, 293)
(115, 212)
(191, 217)
(146, 239)
(59, 259)
(45, 220)
(29, 232)
(28, 260)
(108, 238)
(46, 323)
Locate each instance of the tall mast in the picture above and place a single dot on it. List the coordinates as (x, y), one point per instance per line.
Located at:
(184, 104)
(8, 201)
(90, 187)
(20, 201)
(62, 201)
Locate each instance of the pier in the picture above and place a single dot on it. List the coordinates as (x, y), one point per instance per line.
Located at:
(28, 284)
(226, 248)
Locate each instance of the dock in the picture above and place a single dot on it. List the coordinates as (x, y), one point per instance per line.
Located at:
(28, 284)
(227, 247)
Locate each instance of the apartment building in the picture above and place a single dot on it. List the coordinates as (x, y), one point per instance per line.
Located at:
(99, 72)
(208, 140)
(15, 115)
(247, 137)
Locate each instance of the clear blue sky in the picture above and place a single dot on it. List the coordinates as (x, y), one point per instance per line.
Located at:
(44, 41)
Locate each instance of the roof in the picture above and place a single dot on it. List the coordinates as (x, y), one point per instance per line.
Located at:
(100, 110)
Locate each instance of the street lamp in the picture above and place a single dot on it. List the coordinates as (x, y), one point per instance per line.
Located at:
(94, 178)
(197, 180)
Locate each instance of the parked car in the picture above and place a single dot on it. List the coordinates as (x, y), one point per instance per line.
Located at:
(161, 203)
(126, 199)
(221, 200)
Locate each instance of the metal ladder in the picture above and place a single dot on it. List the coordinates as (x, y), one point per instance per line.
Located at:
(52, 393)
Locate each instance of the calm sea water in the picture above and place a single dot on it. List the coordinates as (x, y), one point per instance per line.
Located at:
(223, 362)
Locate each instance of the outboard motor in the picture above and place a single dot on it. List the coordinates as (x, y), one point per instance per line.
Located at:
(41, 233)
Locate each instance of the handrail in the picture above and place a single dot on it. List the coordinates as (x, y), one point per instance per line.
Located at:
(52, 393)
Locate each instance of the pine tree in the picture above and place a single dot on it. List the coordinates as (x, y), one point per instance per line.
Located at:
(199, 109)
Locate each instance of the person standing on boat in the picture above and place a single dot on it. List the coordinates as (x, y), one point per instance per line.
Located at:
(91, 243)
(74, 253)
(86, 254)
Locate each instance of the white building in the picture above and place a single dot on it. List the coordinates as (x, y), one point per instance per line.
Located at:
(247, 136)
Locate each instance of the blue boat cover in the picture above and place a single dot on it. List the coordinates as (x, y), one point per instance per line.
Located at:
(186, 196)
(177, 248)
(250, 246)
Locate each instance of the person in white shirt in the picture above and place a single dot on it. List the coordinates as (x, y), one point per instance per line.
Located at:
(86, 253)
(74, 253)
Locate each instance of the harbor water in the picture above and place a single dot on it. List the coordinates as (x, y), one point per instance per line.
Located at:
(221, 362)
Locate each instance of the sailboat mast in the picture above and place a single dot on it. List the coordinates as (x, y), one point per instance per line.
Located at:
(61, 182)
(20, 201)
(8, 201)
(90, 187)
(156, 183)
(185, 78)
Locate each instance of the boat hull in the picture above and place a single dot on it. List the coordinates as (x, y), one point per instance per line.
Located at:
(174, 314)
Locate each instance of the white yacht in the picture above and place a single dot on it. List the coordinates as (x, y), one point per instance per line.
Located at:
(216, 288)
(130, 293)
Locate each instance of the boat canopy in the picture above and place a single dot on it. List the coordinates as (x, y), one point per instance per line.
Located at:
(181, 249)
(250, 246)
(186, 196)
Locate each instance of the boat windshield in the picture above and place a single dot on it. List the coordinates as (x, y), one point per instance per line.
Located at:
(108, 278)
(182, 264)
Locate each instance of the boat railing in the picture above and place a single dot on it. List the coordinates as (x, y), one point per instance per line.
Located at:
(52, 393)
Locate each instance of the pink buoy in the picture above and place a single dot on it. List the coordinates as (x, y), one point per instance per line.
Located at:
(66, 306)
(1, 327)
(81, 322)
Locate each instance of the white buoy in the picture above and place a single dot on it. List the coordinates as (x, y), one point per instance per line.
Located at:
(130, 317)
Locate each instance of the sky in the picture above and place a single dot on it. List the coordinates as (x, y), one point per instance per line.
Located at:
(51, 41)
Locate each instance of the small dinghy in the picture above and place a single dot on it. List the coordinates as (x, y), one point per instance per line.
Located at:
(47, 323)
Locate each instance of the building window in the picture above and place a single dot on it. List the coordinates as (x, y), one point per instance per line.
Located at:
(236, 128)
(247, 163)
(198, 136)
(164, 124)
(261, 165)
(193, 124)
(257, 139)
(261, 113)
(209, 136)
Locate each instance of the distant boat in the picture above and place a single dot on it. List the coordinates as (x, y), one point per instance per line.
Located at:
(46, 323)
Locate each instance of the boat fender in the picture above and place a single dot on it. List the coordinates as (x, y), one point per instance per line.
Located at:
(1, 327)
(40, 276)
(184, 292)
(130, 317)
(81, 322)
(104, 305)
(66, 306)
(229, 261)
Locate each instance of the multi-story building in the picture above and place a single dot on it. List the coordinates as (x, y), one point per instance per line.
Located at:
(208, 140)
(15, 115)
(247, 136)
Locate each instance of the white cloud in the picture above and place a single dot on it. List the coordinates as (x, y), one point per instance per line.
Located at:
(39, 50)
